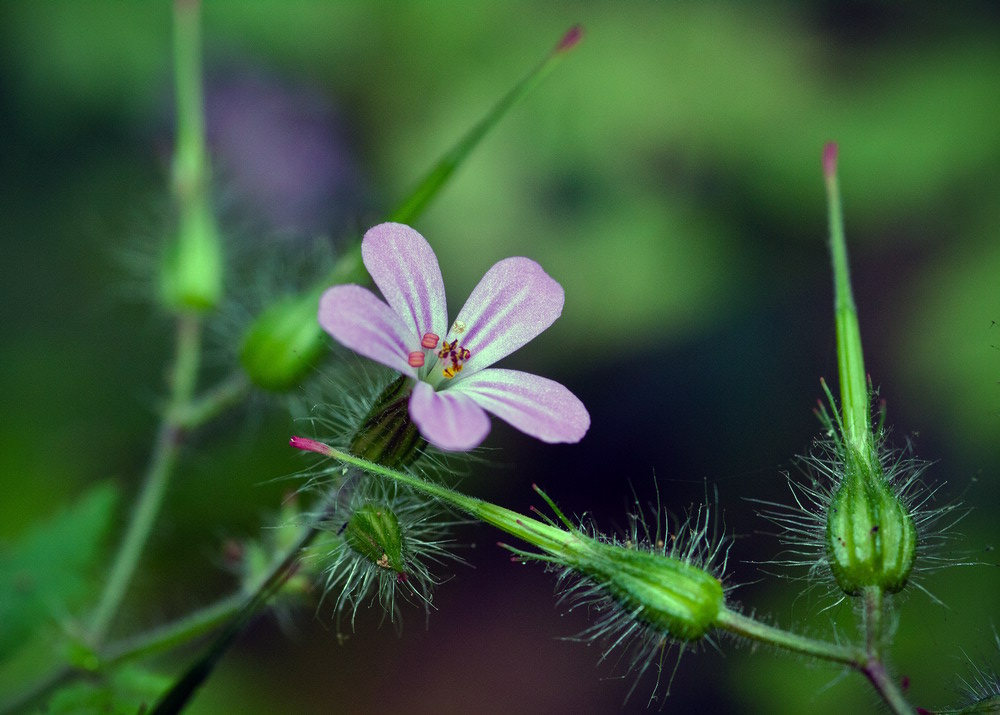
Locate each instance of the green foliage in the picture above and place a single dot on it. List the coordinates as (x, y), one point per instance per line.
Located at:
(48, 573)
(129, 690)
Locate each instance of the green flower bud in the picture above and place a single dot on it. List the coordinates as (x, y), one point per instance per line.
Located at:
(191, 273)
(387, 435)
(982, 707)
(669, 594)
(283, 343)
(871, 539)
(373, 532)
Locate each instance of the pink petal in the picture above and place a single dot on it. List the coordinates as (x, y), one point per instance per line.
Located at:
(405, 269)
(535, 405)
(448, 420)
(357, 319)
(514, 302)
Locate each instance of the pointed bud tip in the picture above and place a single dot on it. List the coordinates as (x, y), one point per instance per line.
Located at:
(309, 445)
(830, 159)
(571, 39)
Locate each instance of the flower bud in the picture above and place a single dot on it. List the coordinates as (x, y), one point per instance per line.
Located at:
(387, 435)
(191, 273)
(870, 535)
(671, 595)
(283, 343)
(373, 532)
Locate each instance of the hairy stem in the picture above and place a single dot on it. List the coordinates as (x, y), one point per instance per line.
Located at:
(182, 378)
(748, 627)
(873, 621)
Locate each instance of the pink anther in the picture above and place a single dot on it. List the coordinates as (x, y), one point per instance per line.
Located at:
(429, 341)
(416, 359)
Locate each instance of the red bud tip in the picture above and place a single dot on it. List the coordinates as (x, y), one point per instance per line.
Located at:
(571, 39)
(830, 160)
(309, 445)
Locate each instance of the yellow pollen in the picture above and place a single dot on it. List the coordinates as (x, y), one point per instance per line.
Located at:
(454, 355)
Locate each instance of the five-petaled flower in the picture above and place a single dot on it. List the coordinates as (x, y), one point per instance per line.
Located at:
(450, 365)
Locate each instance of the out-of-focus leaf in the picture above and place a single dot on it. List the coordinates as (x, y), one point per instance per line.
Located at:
(46, 573)
(129, 691)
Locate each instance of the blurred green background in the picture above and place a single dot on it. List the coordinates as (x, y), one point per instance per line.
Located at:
(667, 175)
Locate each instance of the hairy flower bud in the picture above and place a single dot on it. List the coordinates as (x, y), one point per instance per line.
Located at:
(373, 532)
(671, 595)
(283, 343)
(870, 535)
(387, 435)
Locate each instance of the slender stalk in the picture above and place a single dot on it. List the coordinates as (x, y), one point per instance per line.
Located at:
(873, 622)
(177, 698)
(182, 379)
(850, 359)
(173, 634)
(417, 201)
(190, 162)
(747, 627)
(545, 536)
(192, 283)
(214, 402)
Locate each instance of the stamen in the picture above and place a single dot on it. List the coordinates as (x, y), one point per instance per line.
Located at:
(456, 354)
(416, 358)
(429, 341)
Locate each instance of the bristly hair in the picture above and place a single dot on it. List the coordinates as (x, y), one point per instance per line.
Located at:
(803, 522)
(626, 638)
(351, 579)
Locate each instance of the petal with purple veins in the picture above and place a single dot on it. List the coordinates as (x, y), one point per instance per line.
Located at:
(448, 420)
(357, 319)
(515, 301)
(535, 405)
(403, 266)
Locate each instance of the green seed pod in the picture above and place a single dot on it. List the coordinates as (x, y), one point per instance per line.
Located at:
(667, 593)
(191, 273)
(283, 343)
(373, 532)
(387, 435)
(871, 539)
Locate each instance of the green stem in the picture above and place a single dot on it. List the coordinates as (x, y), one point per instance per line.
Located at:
(417, 201)
(850, 359)
(747, 627)
(173, 634)
(190, 163)
(873, 622)
(191, 278)
(532, 531)
(214, 402)
(168, 440)
(177, 698)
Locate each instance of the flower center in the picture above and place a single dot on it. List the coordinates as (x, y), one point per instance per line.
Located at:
(451, 357)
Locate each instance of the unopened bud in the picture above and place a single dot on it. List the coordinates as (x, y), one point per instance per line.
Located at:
(373, 532)
(871, 539)
(672, 595)
(283, 343)
(387, 435)
(191, 273)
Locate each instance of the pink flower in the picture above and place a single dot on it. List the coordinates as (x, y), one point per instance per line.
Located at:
(454, 385)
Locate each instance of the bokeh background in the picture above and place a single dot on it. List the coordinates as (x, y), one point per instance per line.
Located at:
(667, 174)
